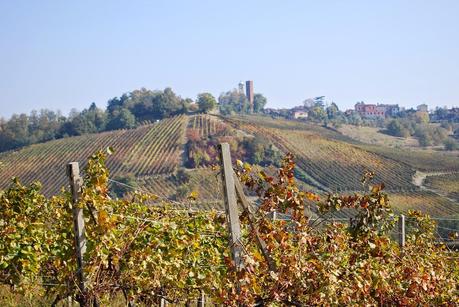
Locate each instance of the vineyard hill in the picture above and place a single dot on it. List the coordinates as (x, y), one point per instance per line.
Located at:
(327, 161)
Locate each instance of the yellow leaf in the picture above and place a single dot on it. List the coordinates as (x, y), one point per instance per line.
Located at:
(193, 195)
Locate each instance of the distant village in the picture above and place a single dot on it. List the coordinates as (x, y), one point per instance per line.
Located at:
(368, 111)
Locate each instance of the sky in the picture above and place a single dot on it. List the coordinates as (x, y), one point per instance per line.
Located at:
(61, 55)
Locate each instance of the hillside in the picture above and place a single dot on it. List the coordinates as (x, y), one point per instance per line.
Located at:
(147, 150)
(327, 161)
(326, 156)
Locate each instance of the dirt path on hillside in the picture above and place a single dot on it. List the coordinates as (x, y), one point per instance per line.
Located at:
(419, 178)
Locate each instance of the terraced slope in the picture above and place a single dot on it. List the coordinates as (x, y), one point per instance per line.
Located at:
(426, 161)
(447, 185)
(205, 181)
(332, 163)
(328, 161)
(154, 148)
(425, 201)
(159, 150)
(205, 125)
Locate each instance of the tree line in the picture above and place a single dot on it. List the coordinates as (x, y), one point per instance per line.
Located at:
(124, 112)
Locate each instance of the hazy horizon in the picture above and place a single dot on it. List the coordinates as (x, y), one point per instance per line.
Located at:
(58, 55)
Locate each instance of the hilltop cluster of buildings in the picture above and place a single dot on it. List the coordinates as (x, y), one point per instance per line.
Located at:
(376, 110)
(373, 111)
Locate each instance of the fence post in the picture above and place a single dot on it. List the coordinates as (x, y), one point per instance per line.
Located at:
(73, 172)
(401, 231)
(234, 226)
(260, 242)
(201, 299)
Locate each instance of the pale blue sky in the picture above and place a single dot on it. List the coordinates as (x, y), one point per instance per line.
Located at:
(63, 54)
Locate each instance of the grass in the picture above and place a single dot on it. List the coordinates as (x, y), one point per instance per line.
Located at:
(372, 135)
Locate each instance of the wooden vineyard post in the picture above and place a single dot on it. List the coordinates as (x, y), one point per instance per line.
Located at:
(201, 299)
(234, 226)
(261, 244)
(401, 231)
(73, 172)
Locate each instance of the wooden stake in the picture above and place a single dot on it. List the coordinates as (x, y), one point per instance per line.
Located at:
(234, 226)
(201, 299)
(246, 206)
(73, 172)
(401, 231)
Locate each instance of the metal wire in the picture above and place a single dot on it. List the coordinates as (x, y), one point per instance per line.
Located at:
(161, 198)
(441, 227)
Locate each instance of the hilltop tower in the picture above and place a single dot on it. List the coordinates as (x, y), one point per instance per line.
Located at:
(249, 93)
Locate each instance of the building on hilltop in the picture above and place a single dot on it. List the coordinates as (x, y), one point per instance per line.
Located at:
(300, 114)
(376, 110)
(249, 93)
(391, 109)
(423, 107)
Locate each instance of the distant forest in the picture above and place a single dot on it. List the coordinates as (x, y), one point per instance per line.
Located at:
(125, 112)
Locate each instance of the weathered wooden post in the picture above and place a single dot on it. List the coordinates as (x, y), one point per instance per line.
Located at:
(234, 226)
(201, 299)
(401, 231)
(73, 172)
(245, 205)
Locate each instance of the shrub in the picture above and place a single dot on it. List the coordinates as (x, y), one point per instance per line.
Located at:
(451, 144)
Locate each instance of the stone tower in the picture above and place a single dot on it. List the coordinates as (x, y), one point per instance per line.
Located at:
(249, 93)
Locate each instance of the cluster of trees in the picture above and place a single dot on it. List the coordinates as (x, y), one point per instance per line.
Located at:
(45, 125)
(234, 101)
(320, 112)
(426, 134)
(203, 150)
(444, 114)
(123, 112)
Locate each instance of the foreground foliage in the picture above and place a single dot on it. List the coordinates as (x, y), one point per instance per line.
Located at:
(148, 252)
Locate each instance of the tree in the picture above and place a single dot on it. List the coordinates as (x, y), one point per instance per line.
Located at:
(121, 119)
(421, 117)
(259, 102)
(311, 102)
(441, 113)
(451, 144)
(354, 118)
(206, 102)
(166, 104)
(117, 103)
(89, 120)
(233, 101)
(151, 105)
(333, 111)
(396, 128)
(317, 112)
